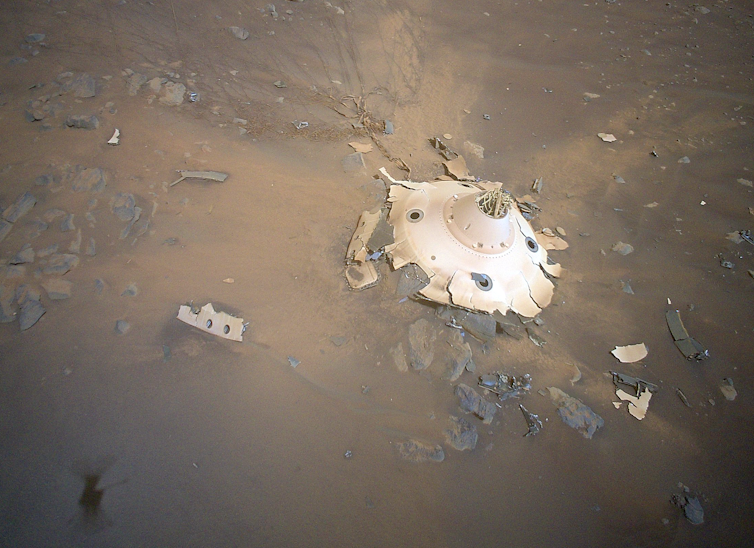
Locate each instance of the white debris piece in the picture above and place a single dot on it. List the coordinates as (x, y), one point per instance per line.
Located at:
(115, 139)
(217, 323)
(631, 353)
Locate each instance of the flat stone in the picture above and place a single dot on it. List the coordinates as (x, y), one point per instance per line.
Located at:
(155, 84)
(60, 263)
(172, 94)
(575, 414)
(90, 179)
(26, 255)
(49, 250)
(123, 205)
(399, 358)
(459, 355)
(82, 121)
(134, 83)
(57, 289)
(35, 228)
(82, 86)
(99, 286)
(15, 272)
(462, 435)
(91, 248)
(51, 214)
(623, 248)
(471, 402)
(474, 149)
(122, 327)
(34, 38)
(75, 246)
(5, 228)
(44, 180)
(477, 324)
(7, 310)
(419, 451)
(67, 224)
(19, 208)
(130, 291)
(420, 339)
(239, 32)
(30, 312)
(353, 162)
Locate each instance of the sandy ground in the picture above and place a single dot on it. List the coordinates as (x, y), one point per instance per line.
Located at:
(225, 444)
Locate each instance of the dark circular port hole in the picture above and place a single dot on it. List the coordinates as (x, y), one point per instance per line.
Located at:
(226, 329)
(415, 215)
(532, 245)
(209, 324)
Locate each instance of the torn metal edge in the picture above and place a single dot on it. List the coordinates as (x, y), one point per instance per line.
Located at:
(206, 319)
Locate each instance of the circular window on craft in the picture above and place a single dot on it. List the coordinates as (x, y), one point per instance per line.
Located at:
(209, 324)
(482, 281)
(532, 245)
(226, 329)
(414, 215)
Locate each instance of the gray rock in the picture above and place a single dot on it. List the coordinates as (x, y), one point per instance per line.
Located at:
(7, 311)
(67, 224)
(459, 356)
(353, 162)
(35, 228)
(471, 402)
(60, 263)
(99, 286)
(82, 121)
(239, 32)
(30, 312)
(19, 208)
(82, 86)
(75, 246)
(134, 83)
(44, 180)
(57, 289)
(49, 250)
(172, 94)
(575, 414)
(91, 248)
(141, 227)
(420, 339)
(15, 272)
(127, 230)
(26, 255)
(399, 358)
(90, 179)
(461, 435)
(477, 324)
(5, 228)
(691, 506)
(123, 205)
(51, 214)
(419, 451)
(155, 84)
(34, 38)
(17, 61)
(130, 291)
(122, 327)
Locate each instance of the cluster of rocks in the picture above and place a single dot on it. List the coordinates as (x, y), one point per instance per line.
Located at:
(165, 88)
(29, 267)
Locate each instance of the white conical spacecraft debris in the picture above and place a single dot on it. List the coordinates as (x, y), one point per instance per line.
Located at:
(472, 242)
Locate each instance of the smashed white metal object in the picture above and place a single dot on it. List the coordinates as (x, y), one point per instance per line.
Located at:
(206, 175)
(362, 273)
(637, 406)
(631, 353)
(221, 324)
(115, 139)
(472, 241)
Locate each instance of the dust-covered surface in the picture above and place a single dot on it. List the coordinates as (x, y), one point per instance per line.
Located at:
(122, 426)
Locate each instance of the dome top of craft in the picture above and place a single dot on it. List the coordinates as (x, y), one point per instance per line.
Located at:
(475, 246)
